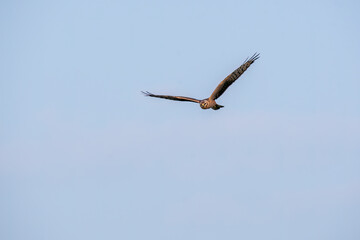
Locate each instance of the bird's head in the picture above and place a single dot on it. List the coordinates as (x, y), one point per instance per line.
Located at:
(204, 104)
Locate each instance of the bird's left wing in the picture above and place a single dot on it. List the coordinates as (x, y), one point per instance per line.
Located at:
(221, 88)
(176, 98)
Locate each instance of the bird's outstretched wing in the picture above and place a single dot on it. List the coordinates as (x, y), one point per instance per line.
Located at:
(176, 98)
(221, 88)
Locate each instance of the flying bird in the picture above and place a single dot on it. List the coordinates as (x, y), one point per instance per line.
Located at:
(219, 90)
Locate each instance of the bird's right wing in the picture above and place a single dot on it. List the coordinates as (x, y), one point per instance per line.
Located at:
(224, 84)
(175, 98)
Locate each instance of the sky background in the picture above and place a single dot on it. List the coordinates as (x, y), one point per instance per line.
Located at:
(84, 155)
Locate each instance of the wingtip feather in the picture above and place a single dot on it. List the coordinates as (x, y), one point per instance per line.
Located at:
(146, 93)
(255, 57)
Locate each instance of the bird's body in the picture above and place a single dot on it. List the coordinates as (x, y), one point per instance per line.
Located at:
(209, 103)
(219, 90)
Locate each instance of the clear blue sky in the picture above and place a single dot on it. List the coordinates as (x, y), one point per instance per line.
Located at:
(83, 155)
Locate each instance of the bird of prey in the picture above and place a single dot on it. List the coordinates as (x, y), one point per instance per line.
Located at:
(219, 90)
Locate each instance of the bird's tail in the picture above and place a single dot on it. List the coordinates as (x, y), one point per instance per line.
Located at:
(217, 107)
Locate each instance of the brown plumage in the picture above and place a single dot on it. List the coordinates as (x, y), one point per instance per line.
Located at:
(219, 90)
